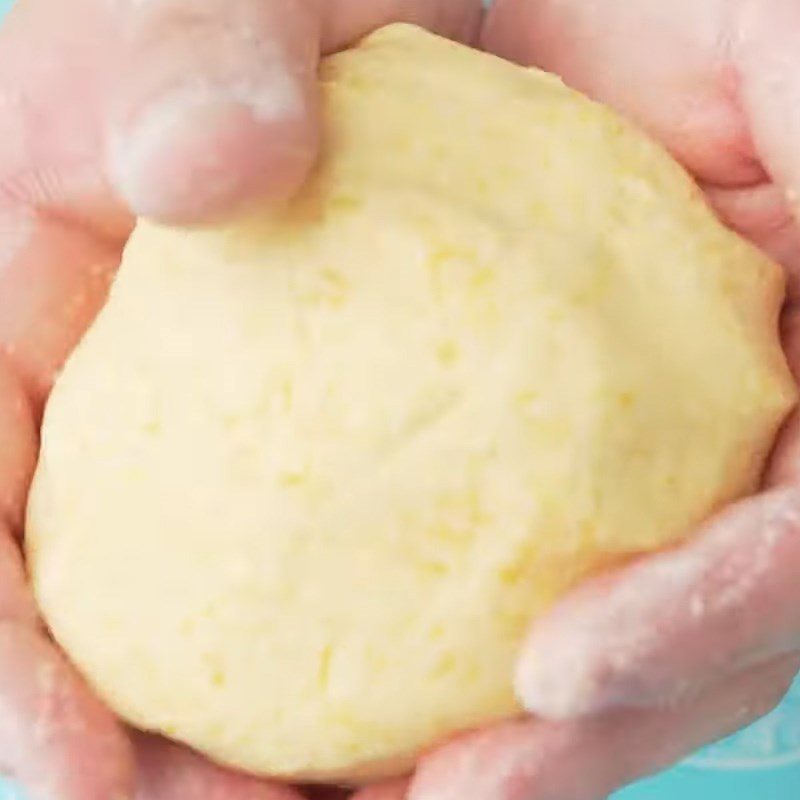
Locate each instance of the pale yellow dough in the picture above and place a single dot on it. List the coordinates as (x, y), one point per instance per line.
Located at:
(310, 476)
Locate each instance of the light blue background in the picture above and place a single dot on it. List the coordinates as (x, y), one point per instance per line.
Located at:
(762, 763)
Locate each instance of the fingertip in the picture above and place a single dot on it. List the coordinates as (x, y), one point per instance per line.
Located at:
(659, 631)
(556, 687)
(563, 670)
(213, 106)
(588, 759)
(194, 157)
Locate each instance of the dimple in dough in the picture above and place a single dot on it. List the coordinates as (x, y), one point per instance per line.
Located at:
(310, 476)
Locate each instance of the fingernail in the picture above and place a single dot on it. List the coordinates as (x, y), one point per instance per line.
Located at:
(174, 156)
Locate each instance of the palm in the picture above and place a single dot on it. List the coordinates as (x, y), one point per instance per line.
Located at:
(709, 80)
(62, 230)
(641, 669)
(61, 234)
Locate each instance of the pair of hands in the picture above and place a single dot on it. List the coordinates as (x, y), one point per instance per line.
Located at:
(186, 109)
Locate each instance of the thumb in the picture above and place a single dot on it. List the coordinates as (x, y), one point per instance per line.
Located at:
(768, 53)
(667, 627)
(213, 104)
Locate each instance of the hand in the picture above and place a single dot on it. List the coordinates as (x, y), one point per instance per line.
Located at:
(182, 110)
(640, 668)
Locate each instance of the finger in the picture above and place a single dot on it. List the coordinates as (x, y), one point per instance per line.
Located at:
(17, 447)
(396, 790)
(586, 760)
(206, 73)
(56, 739)
(784, 465)
(666, 627)
(214, 104)
(679, 74)
(666, 68)
(167, 771)
(767, 50)
(54, 277)
(344, 21)
(16, 603)
(52, 170)
(53, 271)
(761, 214)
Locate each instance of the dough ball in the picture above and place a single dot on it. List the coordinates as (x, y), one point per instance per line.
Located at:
(310, 476)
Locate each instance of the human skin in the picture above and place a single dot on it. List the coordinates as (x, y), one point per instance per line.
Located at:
(180, 110)
(219, 111)
(639, 668)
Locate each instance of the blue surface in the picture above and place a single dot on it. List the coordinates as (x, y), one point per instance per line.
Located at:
(761, 763)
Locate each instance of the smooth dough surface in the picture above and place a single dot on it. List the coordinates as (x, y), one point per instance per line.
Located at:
(309, 477)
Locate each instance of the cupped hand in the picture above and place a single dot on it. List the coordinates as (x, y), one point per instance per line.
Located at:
(640, 668)
(180, 110)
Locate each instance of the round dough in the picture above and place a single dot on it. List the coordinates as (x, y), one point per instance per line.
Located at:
(310, 476)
